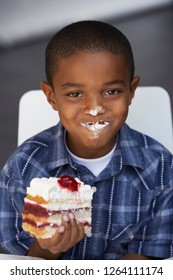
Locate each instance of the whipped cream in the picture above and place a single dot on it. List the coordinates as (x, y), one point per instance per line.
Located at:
(51, 190)
(95, 111)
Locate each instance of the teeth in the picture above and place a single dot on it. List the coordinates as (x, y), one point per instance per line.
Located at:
(93, 126)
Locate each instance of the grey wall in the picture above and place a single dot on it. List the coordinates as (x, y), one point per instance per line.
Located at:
(23, 19)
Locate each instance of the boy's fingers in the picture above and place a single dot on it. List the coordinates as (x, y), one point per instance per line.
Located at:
(70, 237)
(67, 235)
(77, 231)
(81, 231)
(49, 242)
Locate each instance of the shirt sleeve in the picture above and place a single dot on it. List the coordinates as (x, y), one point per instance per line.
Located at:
(13, 238)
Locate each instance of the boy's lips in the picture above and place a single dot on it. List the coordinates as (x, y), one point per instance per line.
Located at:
(93, 126)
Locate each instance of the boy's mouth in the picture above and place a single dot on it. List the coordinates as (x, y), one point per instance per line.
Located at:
(94, 126)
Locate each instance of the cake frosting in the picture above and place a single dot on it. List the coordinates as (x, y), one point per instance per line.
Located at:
(48, 198)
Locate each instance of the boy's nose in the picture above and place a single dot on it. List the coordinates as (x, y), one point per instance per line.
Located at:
(94, 108)
(94, 112)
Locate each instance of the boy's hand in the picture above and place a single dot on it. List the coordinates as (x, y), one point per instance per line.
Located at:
(68, 234)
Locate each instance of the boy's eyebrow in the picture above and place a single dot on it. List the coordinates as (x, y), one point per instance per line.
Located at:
(69, 84)
(114, 82)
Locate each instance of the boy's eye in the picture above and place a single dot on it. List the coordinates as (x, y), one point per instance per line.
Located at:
(111, 92)
(74, 94)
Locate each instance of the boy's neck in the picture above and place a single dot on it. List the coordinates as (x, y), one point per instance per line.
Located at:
(88, 152)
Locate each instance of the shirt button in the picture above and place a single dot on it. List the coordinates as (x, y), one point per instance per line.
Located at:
(131, 236)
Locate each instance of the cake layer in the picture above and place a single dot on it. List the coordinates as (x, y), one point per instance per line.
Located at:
(83, 216)
(44, 217)
(44, 228)
(41, 210)
(47, 231)
(58, 205)
(43, 232)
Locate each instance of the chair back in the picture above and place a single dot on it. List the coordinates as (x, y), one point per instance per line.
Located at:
(150, 113)
(35, 115)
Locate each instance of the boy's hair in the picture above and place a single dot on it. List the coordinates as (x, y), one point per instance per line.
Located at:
(89, 36)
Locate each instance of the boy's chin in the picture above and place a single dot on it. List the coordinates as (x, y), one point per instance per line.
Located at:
(97, 143)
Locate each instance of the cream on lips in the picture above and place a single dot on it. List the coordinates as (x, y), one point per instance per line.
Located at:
(93, 126)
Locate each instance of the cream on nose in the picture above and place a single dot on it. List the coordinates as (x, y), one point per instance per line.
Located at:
(94, 112)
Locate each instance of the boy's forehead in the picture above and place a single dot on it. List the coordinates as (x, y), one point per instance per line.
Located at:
(89, 57)
(83, 62)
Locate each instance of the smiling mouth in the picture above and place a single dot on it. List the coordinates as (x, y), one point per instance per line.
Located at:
(95, 126)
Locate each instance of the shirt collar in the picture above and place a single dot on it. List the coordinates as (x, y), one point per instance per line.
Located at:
(58, 154)
(128, 147)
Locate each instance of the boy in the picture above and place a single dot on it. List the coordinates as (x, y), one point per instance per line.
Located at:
(91, 83)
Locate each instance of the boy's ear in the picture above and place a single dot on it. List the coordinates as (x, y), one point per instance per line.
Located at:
(50, 95)
(133, 86)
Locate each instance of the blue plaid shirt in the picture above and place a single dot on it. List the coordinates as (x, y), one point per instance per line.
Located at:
(132, 208)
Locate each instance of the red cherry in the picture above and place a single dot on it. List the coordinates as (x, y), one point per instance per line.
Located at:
(68, 182)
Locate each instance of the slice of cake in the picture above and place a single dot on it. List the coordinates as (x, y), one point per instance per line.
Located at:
(48, 198)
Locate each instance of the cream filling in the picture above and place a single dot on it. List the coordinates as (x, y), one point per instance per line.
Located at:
(81, 216)
(62, 205)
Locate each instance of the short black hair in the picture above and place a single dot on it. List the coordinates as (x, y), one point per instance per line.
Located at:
(89, 36)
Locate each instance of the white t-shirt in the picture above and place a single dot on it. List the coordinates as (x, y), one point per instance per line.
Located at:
(95, 165)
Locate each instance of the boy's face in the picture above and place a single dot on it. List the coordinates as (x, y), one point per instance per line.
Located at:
(92, 93)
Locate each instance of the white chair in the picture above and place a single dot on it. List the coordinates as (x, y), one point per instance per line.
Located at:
(35, 115)
(150, 113)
